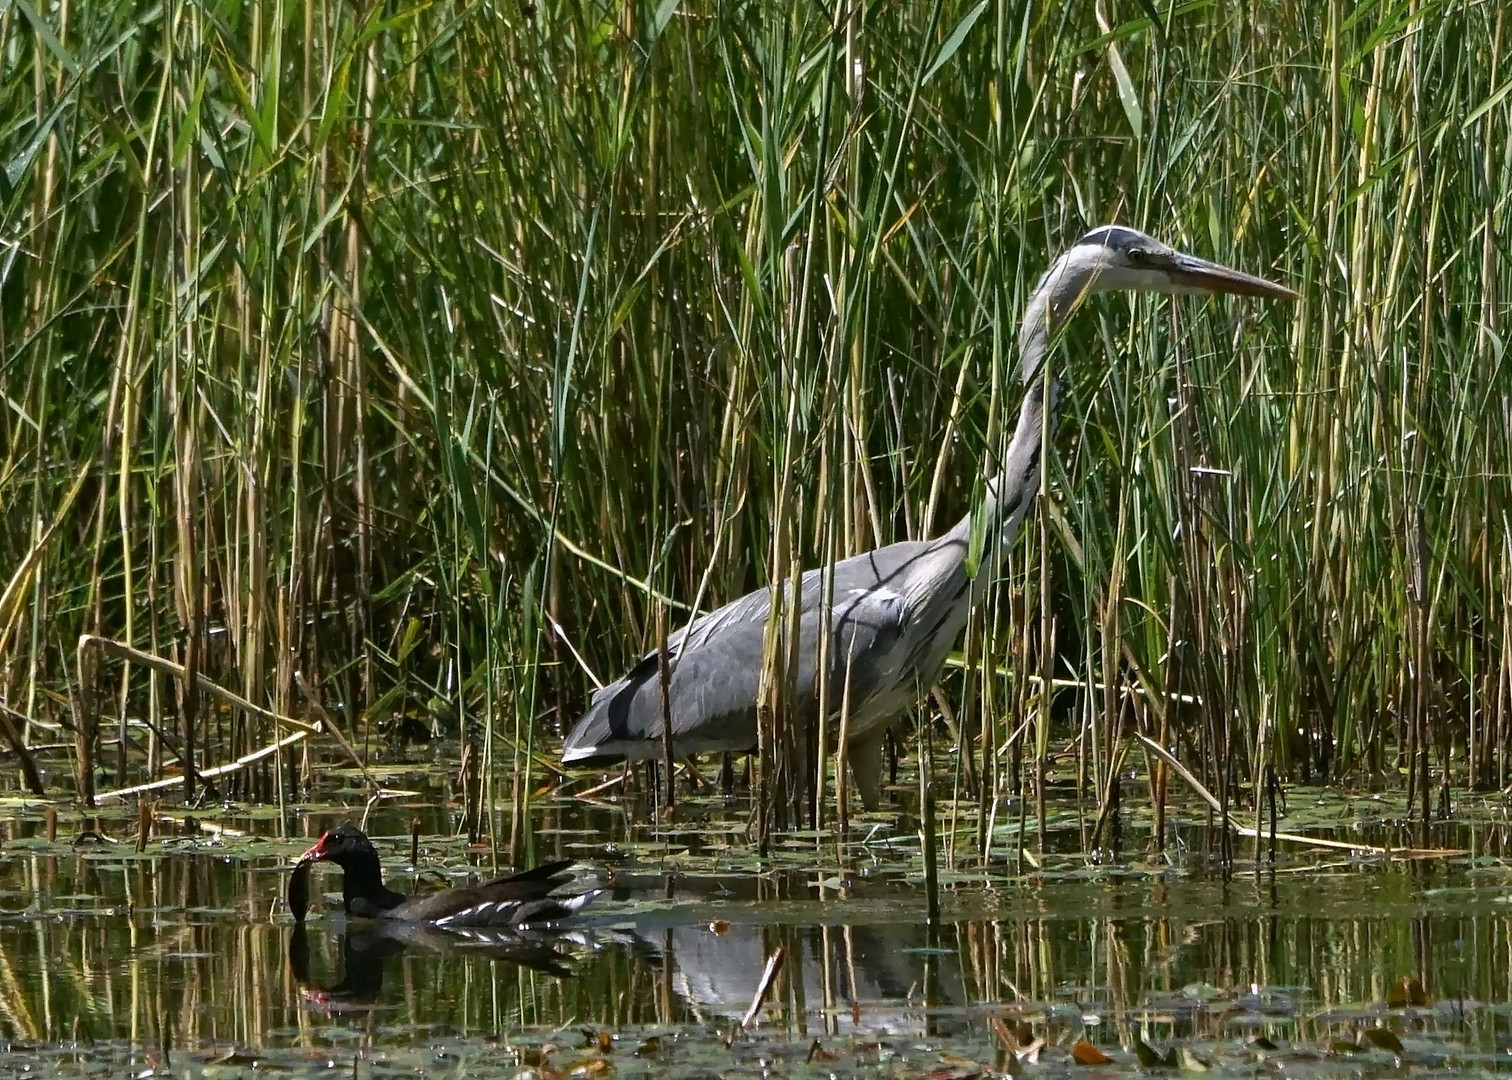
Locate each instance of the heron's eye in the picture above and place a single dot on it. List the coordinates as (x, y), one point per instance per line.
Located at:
(1136, 255)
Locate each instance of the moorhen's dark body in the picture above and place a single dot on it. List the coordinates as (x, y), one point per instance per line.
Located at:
(517, 900)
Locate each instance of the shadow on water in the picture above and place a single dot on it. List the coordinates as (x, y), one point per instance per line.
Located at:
(183, 958)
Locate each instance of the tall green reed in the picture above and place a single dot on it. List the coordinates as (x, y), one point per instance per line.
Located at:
(444, 354)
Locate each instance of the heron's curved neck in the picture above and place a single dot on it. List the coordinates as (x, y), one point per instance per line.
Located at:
(1011, 489)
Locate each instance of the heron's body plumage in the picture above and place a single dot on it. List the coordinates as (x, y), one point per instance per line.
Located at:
(882, 600)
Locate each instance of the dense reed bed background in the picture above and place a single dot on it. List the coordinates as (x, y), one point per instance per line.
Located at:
(374, 342)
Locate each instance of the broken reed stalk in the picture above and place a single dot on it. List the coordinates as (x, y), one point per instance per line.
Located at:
(764, 987)
(214, 772)
(29, 772)
(122, 651)
(91, 646)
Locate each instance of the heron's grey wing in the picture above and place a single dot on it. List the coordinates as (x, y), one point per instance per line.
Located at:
(939, 609)
(716, 670)
(717, 662)
(870, 627)
(897, 611)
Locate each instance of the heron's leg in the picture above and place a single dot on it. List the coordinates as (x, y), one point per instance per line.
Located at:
(802, 768)
(865, 754)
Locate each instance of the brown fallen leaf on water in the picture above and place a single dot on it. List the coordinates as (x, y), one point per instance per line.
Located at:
(1406, 991)
(817, 1052)
(1150, 1058)
(1383, 1038)
(1084, 1053)
(1342, 1046)
(1190, 1062)
(592, 1067)
(955, 1072)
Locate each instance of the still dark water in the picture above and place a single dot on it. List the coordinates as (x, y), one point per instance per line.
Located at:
(183, 961)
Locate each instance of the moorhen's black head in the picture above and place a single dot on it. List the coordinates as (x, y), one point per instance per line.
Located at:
(343, 845)
(362, 889)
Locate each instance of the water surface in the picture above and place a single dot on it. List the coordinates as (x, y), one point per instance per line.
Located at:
(182, 957)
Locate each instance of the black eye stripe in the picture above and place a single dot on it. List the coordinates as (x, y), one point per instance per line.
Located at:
(1117, 237)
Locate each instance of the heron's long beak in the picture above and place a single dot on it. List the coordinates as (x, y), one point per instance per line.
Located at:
(1199, 275)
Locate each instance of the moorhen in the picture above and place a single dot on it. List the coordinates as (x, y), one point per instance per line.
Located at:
(511, 902)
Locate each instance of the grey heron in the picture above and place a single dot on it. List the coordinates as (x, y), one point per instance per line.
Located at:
(897, 611)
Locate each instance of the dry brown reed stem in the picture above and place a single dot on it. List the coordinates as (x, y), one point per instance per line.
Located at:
(86, 702)
(144, 824)
(928, 827)
(29, 771)
(122, 651)
(228, 769)
(90, 644)
(664, 685)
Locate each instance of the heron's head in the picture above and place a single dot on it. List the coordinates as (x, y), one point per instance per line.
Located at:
(1116, 258)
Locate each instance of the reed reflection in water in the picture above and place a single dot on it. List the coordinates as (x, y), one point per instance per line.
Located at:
(185, 953)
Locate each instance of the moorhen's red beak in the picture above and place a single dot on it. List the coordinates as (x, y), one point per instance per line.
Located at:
(317, 852)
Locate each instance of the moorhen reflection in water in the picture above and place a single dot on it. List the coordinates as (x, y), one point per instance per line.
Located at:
(511, 902)
(364, 951)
